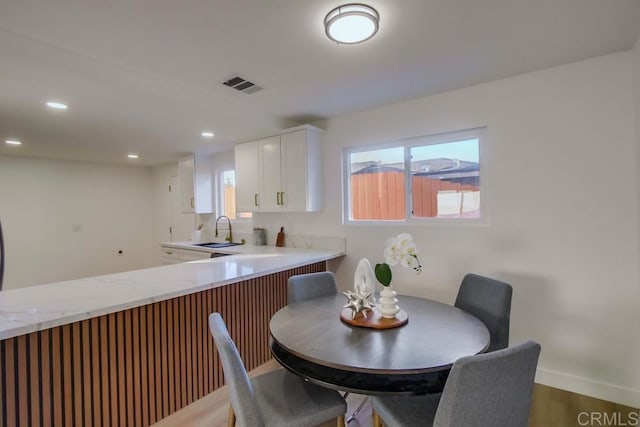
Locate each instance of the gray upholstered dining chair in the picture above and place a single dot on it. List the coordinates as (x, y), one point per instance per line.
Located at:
(278, 398)
(490, 389)
(312, 285)
(303, 287)
(490, 301)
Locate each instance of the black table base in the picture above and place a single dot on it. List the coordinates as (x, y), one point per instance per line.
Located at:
(359, 382)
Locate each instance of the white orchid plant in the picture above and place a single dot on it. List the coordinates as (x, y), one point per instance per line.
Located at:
(400, 250)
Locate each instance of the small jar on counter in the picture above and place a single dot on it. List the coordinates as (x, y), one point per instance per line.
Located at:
(259, 236)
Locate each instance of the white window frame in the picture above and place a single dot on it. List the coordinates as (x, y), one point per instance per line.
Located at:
(219, 194)
(407, 144)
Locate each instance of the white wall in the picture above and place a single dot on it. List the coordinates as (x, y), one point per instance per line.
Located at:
(636, 73)
(41, 201)
(563, 199)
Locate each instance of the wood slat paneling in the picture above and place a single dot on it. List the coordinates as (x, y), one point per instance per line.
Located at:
(34, 375)
(10, 387)
(55, 354)
(87, 397)
(76, 369)
(137, 366)
(23, 375)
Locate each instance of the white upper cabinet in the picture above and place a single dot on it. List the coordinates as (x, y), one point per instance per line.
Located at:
(282, 173)
(187, 189)
(247, 191)
(301, 157)
(270, 170)
(196, 184)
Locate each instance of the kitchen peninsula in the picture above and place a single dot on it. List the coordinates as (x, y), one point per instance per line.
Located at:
(131, 348)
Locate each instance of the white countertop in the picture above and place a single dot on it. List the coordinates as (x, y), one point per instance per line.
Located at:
(238, 249)
(41, 307)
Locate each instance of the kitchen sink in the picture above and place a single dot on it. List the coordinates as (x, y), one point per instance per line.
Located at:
(213, 245)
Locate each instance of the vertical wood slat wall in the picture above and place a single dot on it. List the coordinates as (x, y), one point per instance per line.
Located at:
(137, 366)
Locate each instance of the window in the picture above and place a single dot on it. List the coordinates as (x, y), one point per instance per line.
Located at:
(377, 179)
(227, 196)
(418, 178)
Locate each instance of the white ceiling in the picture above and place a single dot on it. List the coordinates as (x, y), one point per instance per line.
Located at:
(144, 75)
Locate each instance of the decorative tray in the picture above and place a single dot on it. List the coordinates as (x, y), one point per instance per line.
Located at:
(374, 319)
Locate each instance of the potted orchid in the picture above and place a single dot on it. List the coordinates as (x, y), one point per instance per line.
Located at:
(400, 250)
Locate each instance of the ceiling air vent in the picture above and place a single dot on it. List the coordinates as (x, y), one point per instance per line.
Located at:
(241, 84)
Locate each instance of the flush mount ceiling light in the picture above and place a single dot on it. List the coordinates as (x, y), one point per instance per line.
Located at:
(56, 105)
(351, 23)
(13, 142)
(132, 156)
(207, 134)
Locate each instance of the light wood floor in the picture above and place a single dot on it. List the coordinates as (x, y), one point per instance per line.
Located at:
(550, 407)
(211, 410)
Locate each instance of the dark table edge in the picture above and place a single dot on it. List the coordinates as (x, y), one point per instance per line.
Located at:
(378, 383)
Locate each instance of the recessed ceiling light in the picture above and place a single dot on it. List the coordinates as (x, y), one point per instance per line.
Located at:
(13, 142)
(351, 23)
(57, 105)
(132, 156)
(207, 134)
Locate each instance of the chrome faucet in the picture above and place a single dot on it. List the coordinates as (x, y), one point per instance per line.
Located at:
(229, 237)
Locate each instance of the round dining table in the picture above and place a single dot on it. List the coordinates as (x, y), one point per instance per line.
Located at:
(309, 339)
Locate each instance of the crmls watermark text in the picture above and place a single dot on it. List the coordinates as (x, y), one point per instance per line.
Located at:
(616, 419)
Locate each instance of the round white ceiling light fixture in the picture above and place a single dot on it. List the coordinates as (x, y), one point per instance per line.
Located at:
(13, 142)
(133, 156)
(351, 23)
(207, 134)
(56, 105)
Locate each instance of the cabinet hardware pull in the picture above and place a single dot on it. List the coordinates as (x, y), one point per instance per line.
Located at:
(277, 198)
(168, 253)
(193, 202)
(282, 198)
(255, 199)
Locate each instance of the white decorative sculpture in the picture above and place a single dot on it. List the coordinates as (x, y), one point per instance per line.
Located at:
(364, 280)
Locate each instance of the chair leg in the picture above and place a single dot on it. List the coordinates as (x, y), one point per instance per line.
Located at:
(231, 421)
(376, 420)
(340, 421)
(358, 409)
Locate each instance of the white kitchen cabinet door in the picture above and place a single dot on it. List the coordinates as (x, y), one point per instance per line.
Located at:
(301, 154)
(270, 174)
(293, 154)
(203, 184)
(282, 173)
(175, 256)
(196, 184)
(247, 177)
(187, 189)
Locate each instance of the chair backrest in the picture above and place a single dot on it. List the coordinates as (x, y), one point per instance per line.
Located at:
(241, 392)
(313, 285)
(490, 301)
(490, 389)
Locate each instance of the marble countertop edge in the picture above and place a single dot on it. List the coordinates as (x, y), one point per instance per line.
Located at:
(36, 308)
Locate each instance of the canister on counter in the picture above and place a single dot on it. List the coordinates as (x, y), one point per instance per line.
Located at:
(259, 236)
